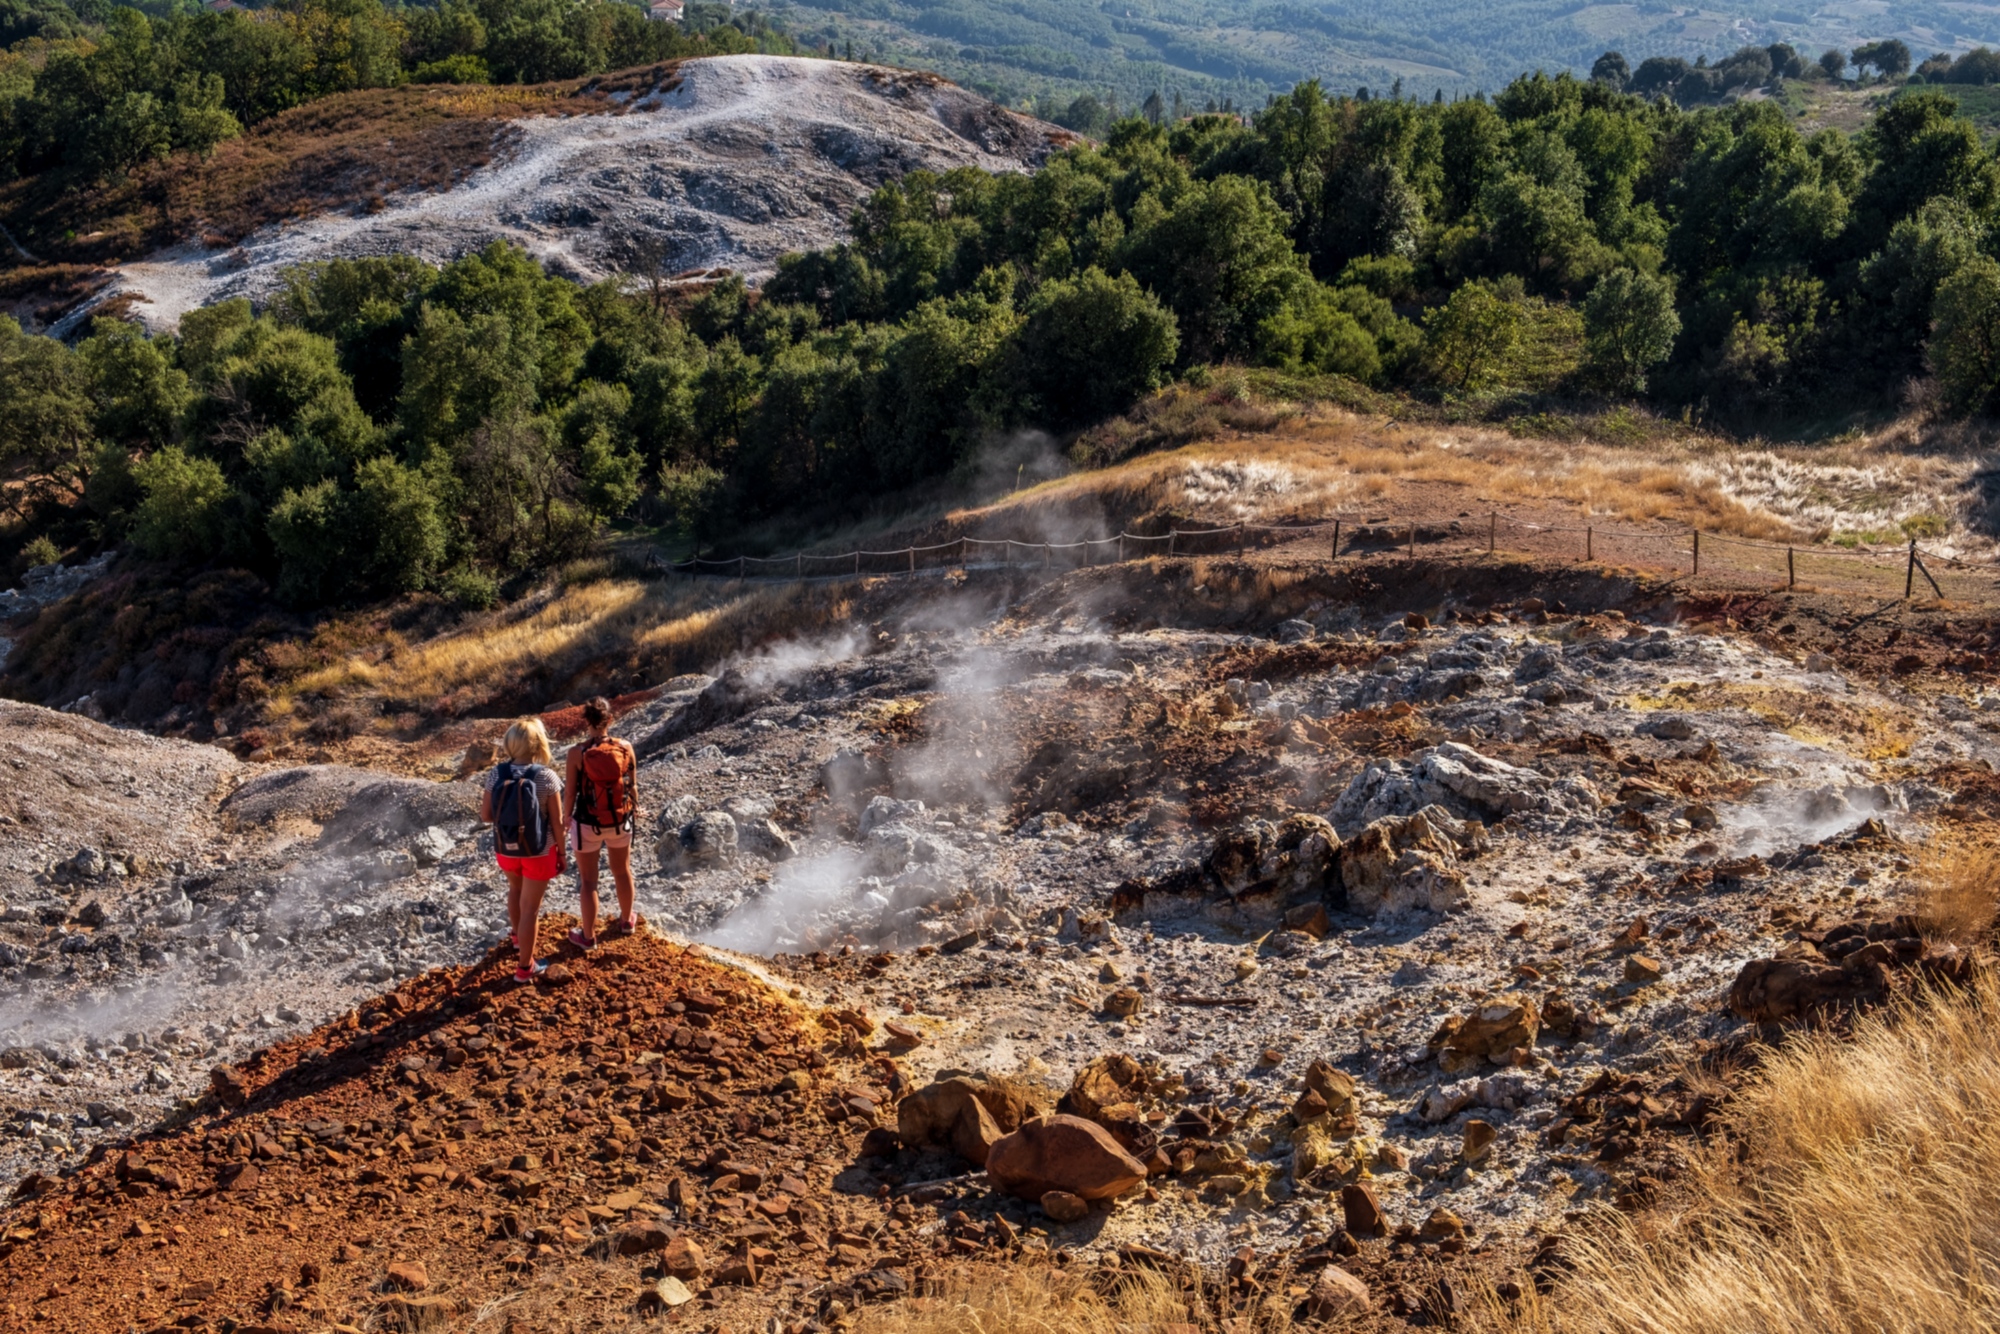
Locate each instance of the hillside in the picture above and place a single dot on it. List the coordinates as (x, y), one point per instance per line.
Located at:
(722, 162)
(1385, 927)
(1247, 50)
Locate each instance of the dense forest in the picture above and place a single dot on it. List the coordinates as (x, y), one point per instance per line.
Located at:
(386, 426)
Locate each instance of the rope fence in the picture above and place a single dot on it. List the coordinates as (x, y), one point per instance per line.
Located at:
(1718, 557)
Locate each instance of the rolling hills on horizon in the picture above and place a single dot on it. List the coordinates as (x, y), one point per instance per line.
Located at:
(1246, 50)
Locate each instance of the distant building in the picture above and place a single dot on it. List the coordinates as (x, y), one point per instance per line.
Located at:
(666, 11)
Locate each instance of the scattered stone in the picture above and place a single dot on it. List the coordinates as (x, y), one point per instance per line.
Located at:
(883, 811)
(1062, 1153)
(762, 838)
(1668, 727)
(1361, 1211)
(670, 1293)
(1442, 1225)
(229, 1086)
(1478, 1141)
(1063, 1207)
(683, 1258)
(1400, 863)
(1497, 1031)
(949, 1115)
(1467, 784)
(431, 846)
(850, 775)
(1294, 632)
(708, 840)
(1122, 1003)
(1643, 969)
(1337, 1295)
(409, 1276)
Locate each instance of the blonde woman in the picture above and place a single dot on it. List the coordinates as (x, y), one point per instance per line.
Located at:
(523, 803)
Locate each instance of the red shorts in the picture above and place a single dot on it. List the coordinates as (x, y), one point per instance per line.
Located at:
(544, 867)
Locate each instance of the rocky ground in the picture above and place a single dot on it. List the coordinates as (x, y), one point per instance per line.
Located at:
(1381, 924)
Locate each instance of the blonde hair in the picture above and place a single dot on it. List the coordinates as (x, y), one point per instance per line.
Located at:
(527, 742)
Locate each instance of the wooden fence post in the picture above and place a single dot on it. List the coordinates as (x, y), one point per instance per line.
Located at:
(1910, 575)
(1697, 551)
(1791, 570)
(1242, 538)
(739, 566)
(857, 560)
(1492, 530)
(913, 560)
(1336, 539)
(1046, 556)
(1589, 544)
(1121, 546)
(1173, 534)
(799, 565)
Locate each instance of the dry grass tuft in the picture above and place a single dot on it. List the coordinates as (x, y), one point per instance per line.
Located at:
(1854, 1193)
(1958, 889)
(590, 635)
(1044, 1301)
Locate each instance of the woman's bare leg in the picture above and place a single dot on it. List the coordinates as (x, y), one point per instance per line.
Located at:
(621, 875)
(513, 902)
(525, 928)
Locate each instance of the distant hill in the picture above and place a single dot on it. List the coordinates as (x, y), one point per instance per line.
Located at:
(1246, 49)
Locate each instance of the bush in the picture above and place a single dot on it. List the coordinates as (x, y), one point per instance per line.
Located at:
(1092, 345)
(1629, 327)
(452, 69)
(1965, 341)
(40, 551)
(471, 588)
(183, 514)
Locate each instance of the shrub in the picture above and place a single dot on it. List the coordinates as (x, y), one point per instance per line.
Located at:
(183, 515)
(1091, 346)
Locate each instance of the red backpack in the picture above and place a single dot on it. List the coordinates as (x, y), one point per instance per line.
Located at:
(607, 784)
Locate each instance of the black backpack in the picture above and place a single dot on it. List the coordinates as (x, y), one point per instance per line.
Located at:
(519, 827)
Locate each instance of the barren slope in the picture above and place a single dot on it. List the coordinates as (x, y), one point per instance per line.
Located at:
(725, 162)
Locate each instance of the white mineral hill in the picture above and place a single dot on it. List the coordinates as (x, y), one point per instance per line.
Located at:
(734, 162)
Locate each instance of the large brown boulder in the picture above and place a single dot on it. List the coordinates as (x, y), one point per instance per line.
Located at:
(1062, 1153)
(949, 1114)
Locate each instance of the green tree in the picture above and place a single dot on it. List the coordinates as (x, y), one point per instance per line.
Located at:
(197, 120)
(184, 513)
(1965, 337)
(395, 513)
(1090, 346)
(46, 435)
(1629, 327)
(1219, 258)
(1314, 333)
(1470, 341)
(139, 395)
(1888, 56)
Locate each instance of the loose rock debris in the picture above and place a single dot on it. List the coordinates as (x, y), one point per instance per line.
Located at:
(1376, 945)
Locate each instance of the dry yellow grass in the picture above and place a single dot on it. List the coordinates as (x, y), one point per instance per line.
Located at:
(1863, 1199)
(1296, 460)
(1046, 1301)
(1958, 889)
(614, 626)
